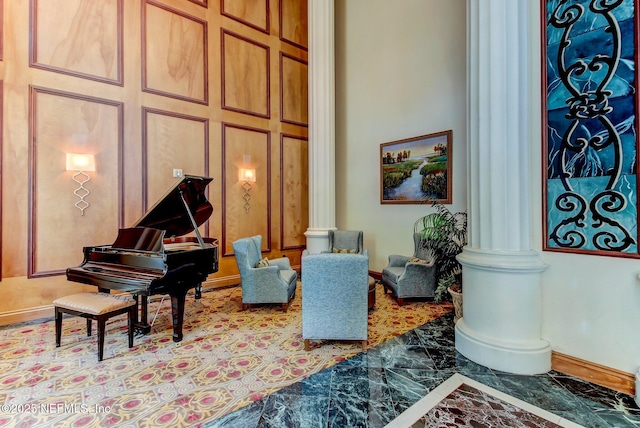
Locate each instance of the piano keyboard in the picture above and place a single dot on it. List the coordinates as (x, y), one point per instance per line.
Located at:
(136, 274)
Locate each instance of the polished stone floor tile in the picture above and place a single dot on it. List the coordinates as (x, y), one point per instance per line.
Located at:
(318, 385)
(358, 412)
(410, 385)
(374, 388)
(527, 388)
(361, 382)
(286, 411)
(406, 356)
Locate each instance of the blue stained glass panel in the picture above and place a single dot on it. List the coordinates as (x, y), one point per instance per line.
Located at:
(591, 128)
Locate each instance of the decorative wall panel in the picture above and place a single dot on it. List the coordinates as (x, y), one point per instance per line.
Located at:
(106, 72)
(293, 22)
(293, 90)
(62, 123)
(254, 13)
(591, 171)
(77, 37)
(294, 172)
(174, 53)
(245, 75)
(1, 132)
(1, 48)
(171, 141)
(203, 3)
(247, 208)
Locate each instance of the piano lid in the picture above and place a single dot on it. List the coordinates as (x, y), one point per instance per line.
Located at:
(170, 214)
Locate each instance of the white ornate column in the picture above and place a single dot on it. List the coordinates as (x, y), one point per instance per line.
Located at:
(501, 325)
(322, 207)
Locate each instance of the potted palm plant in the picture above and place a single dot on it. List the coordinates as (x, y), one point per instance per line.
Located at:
(444, 234)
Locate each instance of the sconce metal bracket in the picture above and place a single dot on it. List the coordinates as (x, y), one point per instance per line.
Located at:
(81, 192)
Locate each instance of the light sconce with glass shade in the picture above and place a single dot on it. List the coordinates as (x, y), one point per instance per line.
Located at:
(247, 176)
(82, 163)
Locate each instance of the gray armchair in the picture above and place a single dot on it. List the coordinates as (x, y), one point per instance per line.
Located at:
(346, 241)
(411, 277)
(335, 297)
(274, 283)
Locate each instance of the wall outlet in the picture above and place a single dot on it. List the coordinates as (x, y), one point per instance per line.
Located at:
(177, 173)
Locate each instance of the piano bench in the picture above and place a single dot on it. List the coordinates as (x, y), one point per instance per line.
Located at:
(95, 306)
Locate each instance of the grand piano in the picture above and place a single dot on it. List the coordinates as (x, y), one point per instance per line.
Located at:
(154, 256)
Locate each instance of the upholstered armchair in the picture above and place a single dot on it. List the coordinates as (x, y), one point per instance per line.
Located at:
(273, 282)
(409, 277)
(346, 241)
(335, 297)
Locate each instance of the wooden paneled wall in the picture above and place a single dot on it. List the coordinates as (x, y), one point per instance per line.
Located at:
(146, 86)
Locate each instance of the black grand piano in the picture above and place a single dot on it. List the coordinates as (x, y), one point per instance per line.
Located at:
(153, 256)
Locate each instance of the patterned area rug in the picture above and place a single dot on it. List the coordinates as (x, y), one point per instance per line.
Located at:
(227, 359)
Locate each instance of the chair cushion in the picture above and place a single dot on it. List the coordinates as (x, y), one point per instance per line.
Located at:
(393, 272)
(264, 262)
(351, 239)
(417, 260)
(344, 250)
(94, 303)
(288, 276)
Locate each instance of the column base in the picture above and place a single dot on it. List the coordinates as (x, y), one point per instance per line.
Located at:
(317, 239)
(502, 307)
(526, 358)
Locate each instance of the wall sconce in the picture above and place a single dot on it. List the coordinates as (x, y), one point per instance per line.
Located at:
(247, 175)
(81, 163)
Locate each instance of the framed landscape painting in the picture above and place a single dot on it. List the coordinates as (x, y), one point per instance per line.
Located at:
(416, 170)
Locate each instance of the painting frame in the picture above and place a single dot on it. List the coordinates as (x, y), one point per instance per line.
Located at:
(433, 152)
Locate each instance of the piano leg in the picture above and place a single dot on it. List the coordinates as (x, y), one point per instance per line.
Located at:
(178, 296)
(144, 312)
(141, 324)
(198, 291)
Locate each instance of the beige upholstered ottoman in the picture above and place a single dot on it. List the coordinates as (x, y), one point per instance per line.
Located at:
(95, 306)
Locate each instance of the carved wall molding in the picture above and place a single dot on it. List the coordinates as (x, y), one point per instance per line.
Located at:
(246, 75)
(85, 42)
(1, 39)
(294, 179)
(292, 29)
(105, 75)
(1, 133)
(203, 3)
(164, 134)
(175, 65)
(245, 147)
(61, 123)
(250, 15)
(294, 92)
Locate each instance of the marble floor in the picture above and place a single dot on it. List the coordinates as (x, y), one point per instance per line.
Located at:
(372, 389)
